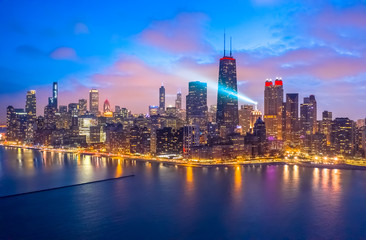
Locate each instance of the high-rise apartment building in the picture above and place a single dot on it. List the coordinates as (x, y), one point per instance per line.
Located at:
(31, 105)
(292, 119)
(245, 112)
(308, 116)
(342, 136)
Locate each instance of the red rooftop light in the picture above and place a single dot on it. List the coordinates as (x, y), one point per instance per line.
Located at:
(278, 82)
(268, 83)
(227, 58)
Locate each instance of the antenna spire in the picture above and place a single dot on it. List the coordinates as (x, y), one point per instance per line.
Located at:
(230, 48)
(224, 42)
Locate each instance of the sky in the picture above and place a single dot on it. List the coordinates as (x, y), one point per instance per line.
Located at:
(127, 49)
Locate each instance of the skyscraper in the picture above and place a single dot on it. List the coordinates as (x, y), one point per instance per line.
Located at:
(94, 101)
(342, 136)
(178, 101)
(30, 105)
(196, 103)
(162, 99)
(326, 125)
(308, 116)
(82, 106)
(227, 96)
(52, 101)
(292, 118)
(273, 103)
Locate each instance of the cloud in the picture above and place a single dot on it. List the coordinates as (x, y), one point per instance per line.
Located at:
(81, 28)
(182, 35)
(64, 53)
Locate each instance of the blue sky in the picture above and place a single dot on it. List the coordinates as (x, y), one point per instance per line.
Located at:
(127, 48)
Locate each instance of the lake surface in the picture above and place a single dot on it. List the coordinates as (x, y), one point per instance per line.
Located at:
(175, 202)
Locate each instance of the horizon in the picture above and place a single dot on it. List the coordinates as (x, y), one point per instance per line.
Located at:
(128, 62)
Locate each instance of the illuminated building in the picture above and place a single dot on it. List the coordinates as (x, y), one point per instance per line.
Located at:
(273, 104)
(254, 115)
(16, 120)
(85, 122)
(82, 106)
(308, 116)
(212, 113)
(245, 116)
(292, 119)
(191, 138)
(196, 103)
(326, 125)
(178, 101)
(256, 142)
(161, 99)
(53, 101)
(227, 100)
(107, 112)
(153, 110)
(139, 140)
(342, 136)
(169, 141)
(97, 134)
(74, 109)
(50, 118)
(94, 101)
(31, 105)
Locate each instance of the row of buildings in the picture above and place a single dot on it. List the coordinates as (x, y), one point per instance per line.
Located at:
(222, 131)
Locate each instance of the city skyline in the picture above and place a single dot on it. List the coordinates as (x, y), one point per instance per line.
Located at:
(325, 61)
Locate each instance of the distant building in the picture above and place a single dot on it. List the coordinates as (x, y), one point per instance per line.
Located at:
(191, 138)
(169, 141)
(291, 131)
(308, 116)
(82, 106)
(31, 105)
(196, 103)
(153, 110)
(94, 101)
(53, 101)
(245, 116)
(273, 104)
(342, 136)
(178, 101)
(161, 99)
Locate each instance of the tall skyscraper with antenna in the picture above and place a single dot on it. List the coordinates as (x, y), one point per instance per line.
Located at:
(227, 95)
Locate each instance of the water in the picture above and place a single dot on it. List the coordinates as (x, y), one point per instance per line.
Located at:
(175, 202)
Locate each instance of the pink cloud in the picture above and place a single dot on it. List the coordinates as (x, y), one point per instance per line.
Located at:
(183, 34)
(64, 53)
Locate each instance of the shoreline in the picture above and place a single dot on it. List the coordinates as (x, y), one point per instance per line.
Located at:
(197, 163)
